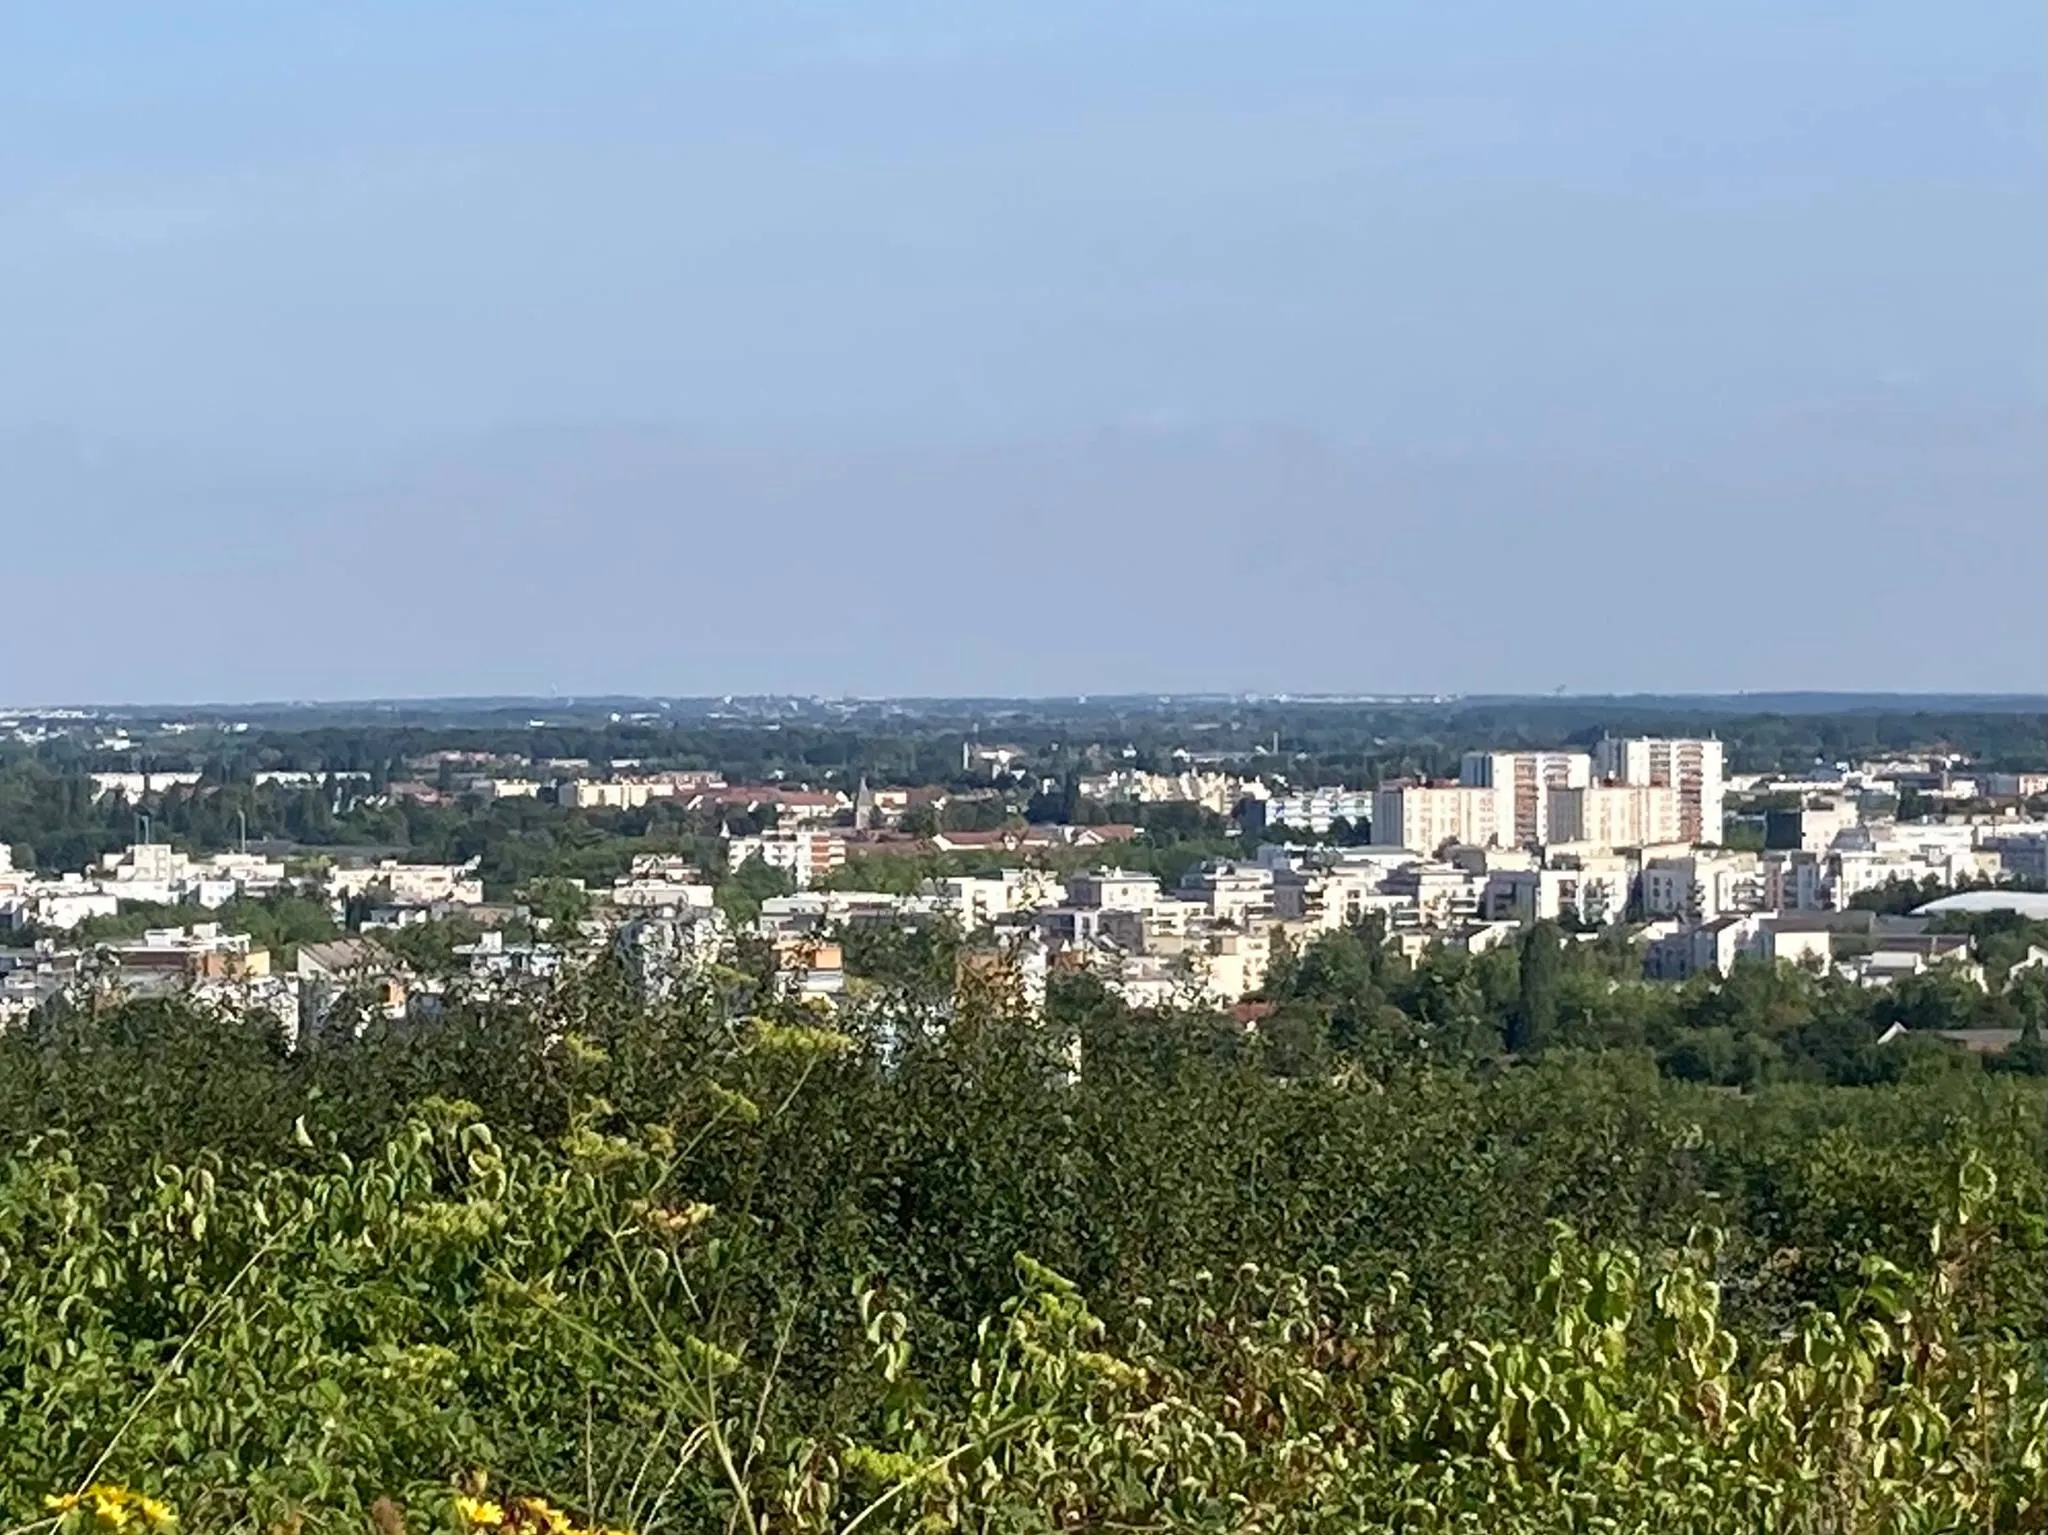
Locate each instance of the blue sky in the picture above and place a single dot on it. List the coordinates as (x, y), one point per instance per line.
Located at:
(396, 349)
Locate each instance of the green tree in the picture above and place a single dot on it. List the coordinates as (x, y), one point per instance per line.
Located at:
(1533, 1023)
(740, 894)
(561, 903)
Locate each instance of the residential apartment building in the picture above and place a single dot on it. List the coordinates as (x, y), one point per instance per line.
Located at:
(60, 904)
(2014, 785)
(1433, 894)
(1812, 827)
(2023, 854)
(1426, 816)
(157, 873)
(201, 950)
(1594, 894)
(409, 884)
(978, 900)
(1114, 890)
(503, 788)
(1232, 964)
(1694, 768)
(134, 787)
(611, 793)
(1324, 900)
(808, 855)
(1522, 783)
(1798, 880)
(661, 889)
(1794, 880)
(1313, 811)
(1215, 792)
(1702, 887)
(1715, 947)
(809, 969)
(1611, 815)
(1238, 893)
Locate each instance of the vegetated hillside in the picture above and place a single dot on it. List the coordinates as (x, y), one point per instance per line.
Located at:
(717, 1265)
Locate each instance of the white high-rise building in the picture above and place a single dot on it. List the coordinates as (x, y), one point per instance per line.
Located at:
(1694, 768)
(1425, 816)
(1611, 815)
(1521, 783)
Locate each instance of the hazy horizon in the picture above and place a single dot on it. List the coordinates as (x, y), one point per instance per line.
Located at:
(1794, 700)
(1033, 351)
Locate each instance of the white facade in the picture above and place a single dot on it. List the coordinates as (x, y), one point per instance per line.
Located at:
(1611, 815)
(1695, 768)
(63, 904)
(1797, 880)
(1593, 896)
(1701, 887)
(1814, 826)
(1237, 893)
(809, 856)
(1314, 810)
(134, 786)
(1521, 782)
(410, 884)
(979, 900)
(656, 893)
(1433, 894)
(1426, 816)
(1114, 889)
(1215, 792)
(611, 794)
(504, 788)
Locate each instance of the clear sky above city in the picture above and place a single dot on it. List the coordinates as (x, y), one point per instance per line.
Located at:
(389, 349)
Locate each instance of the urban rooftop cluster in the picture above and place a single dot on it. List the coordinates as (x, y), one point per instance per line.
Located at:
(1628, 836)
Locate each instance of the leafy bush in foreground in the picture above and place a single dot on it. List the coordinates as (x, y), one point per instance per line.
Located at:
(683, 1274)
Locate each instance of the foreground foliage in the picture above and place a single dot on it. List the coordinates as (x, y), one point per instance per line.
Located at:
(599, 1267)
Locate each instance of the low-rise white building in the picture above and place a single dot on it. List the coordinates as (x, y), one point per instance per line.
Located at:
(1594, 894)
(1238, 893)
(808, 856)
(611, 793)
(1432, 894)
(1313, 811)
(1702, 886)
(134, 787)
(408, 884)
(1114, 888)
(979, 900)
(492, 959)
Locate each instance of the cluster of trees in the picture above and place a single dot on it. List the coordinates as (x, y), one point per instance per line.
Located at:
(1348, 996)
(45, 803)
(279, 922)
(1348, 1002)
(718, 1265)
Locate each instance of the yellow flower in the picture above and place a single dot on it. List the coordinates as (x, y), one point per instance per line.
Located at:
(110, 1507)
(545, 1515)
(480, 1513)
